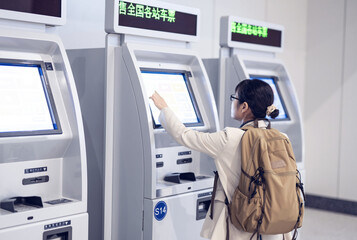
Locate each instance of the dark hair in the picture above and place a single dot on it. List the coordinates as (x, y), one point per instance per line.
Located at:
(259, 96)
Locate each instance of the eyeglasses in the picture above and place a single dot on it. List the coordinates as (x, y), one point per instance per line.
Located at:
(232, 97)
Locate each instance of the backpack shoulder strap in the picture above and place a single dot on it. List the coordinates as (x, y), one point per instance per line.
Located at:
(214, 192)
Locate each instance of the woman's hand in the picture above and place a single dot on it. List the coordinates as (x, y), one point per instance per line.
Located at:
(158, 101)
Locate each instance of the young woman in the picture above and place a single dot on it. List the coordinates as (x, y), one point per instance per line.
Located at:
(252, 99)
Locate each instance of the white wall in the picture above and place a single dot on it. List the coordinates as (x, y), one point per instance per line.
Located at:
(85, 25)
(323, 95)
(348, 143)
(331, 86)
(293, 16)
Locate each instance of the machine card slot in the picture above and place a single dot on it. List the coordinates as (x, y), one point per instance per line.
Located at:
(34, 180)
(159, 164)
(184, 161)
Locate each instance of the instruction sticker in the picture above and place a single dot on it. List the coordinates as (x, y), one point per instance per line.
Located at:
(160, 210)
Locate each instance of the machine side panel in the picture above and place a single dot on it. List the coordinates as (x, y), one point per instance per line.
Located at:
(233, 78)
(128, 172)
(211, 66)
(88, 70)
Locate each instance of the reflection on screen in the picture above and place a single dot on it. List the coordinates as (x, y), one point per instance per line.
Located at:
(278, 100)
(23, 99)
(174, 89)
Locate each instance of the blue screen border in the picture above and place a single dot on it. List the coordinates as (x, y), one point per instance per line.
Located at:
(186, 76)
(48, 94)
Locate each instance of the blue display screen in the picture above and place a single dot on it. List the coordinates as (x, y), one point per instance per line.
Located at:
(176, 90)
(278, 100)
(26, 103)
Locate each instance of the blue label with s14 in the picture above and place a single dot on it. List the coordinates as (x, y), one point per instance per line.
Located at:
(160, 210)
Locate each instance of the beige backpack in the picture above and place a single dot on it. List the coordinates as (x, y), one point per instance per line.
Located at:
(267, 199)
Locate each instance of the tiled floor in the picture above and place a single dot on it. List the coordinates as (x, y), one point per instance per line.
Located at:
(323, 225)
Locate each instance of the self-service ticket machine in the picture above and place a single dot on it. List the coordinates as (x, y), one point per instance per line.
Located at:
(154, 188)
(248, 50)
(43, 181)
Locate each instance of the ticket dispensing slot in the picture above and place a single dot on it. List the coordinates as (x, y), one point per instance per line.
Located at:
(58, 234)
(202, 207)
(17, 204)
(177, 177)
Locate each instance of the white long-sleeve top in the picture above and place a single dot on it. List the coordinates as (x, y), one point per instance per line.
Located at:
(225, 148)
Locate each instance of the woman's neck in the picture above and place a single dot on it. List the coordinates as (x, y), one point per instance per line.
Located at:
(248, 119)
(244, 123)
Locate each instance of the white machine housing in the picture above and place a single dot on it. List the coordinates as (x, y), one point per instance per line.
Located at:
(50, 166)
(139, 156)
(18, 13)
(239, 61)
(133, 179)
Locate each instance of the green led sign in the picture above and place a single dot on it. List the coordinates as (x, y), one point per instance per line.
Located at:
(135, 15)
(248, 29)
(143, 11)
(260, 35)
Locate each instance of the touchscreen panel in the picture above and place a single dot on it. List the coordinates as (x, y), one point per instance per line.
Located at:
(26, 103)
(278, 100)
(176, 90)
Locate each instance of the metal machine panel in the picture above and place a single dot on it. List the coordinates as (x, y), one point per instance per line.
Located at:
(177, 217)
(66, 228)
(51, 167)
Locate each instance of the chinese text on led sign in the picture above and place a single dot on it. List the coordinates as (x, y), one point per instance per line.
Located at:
(247, 29)
(143, 11)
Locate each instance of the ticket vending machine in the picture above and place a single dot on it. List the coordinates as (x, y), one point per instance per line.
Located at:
(43, 181)
(154, 188)
(248, 50)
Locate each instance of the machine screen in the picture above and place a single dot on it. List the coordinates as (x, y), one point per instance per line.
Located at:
(177, 92)
(278, 100)
(25, 101)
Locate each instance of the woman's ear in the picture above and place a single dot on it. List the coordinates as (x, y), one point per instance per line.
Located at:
(245, 107)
